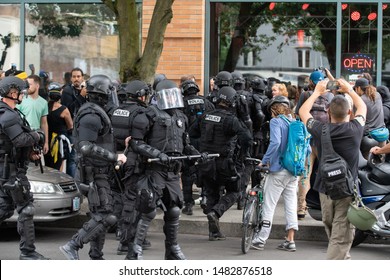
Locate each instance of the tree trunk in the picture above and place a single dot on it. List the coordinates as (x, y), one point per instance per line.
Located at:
(244, 21)
(129, 39)
(162, 15)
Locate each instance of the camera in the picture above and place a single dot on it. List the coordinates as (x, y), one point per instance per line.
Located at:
(321, 69)
(332, 85)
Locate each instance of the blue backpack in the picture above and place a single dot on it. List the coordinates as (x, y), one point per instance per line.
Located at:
(298, 143)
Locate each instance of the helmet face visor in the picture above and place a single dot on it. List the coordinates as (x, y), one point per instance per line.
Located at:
(169, 99)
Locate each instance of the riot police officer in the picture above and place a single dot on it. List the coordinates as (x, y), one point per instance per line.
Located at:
(223, 79)
(17, 141)
(220, 130)
(122, 118)
(257, 105)
(94, 143)
(243, 113)
(161, 133)
(194, 107)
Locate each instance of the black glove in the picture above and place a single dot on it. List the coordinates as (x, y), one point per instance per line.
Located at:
(41, 134)
(204, 157)
(163, 157)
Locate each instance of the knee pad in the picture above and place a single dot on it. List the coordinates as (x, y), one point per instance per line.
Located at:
(110, 220)
(172, 213)
(148, 216)
(28, 211)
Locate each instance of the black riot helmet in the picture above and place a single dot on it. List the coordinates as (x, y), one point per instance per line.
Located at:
(279, 99)
(223, 79)
(11, 82)
(99, 89)
(158, 78)
(168, 95)
(121, 92)
(189, 87)
(258, 85)
(238, 80)
(136, 88)
(228, 95)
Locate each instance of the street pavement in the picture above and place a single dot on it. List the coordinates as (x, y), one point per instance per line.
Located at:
(311, 240)
(194, 246)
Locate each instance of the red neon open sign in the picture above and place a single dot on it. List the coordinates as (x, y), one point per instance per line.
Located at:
(358, 63)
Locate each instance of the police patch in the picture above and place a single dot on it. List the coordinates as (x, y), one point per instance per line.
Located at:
(195, 101)
(121, 113)
(179, 123)
(213, 118)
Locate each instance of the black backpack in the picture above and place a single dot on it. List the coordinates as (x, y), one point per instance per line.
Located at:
(336, 177)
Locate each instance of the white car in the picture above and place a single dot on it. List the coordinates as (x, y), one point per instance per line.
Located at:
(56, 195)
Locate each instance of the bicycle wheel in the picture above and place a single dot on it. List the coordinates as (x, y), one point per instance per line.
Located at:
(249, 223)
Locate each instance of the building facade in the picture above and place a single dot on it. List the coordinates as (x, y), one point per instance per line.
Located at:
(283, 39)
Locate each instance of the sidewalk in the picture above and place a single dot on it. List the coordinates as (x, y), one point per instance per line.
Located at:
(230, 222)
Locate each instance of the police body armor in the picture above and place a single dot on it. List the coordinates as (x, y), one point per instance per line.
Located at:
(121, 120)
(105, 138)
(17, 157)
(168, 130)
(243, 112)
(215, 139)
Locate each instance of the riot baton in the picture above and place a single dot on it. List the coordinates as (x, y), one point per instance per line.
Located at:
(184, 157)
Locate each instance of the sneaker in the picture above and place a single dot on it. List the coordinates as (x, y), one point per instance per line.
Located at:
(258, 246)
(215, 236)
(287, 246)
(32, 256)
(301, 214)
(187, 210)
(213, 222)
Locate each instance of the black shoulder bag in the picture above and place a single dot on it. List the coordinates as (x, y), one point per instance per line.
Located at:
(336, 176)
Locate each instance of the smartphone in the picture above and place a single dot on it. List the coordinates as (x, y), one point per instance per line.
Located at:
(332, 85)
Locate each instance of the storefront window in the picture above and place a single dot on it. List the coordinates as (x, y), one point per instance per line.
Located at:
(359, 40)
(286, 41)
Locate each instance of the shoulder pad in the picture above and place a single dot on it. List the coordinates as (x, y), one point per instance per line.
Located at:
(10, 123)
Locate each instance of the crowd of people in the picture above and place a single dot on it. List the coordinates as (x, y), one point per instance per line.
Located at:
(135, 147)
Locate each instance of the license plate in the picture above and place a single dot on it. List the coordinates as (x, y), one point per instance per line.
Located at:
(76, 203)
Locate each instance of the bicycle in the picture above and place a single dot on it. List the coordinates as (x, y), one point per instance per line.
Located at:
(253, 209)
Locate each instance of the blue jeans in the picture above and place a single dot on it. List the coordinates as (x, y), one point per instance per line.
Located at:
(71, 163)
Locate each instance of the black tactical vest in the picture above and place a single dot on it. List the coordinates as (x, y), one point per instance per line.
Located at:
(167, 131)
(214, 138)
(121, 120)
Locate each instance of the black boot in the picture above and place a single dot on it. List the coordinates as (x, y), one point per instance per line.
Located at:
(187, 210)
(173, 252)
(123, 249)
(136, 252)
(97, 244)
(32, 256)
(70, 250)
(171, 228)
